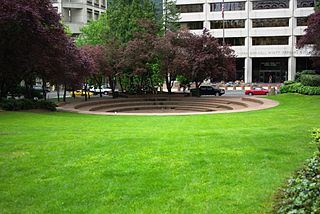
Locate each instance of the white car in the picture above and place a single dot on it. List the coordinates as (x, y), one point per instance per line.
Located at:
(96, 90)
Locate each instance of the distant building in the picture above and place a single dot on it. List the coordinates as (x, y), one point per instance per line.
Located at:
(263, 33)
(76, 13)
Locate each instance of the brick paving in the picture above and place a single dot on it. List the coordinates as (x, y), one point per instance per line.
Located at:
(247, 104)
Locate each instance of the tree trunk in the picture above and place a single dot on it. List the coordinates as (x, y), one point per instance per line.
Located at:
(168, 84)
(73, 95)
(64, 92)
(28, 90)
(99, 84)
(131, 82)
(3, 91)
(44, 93)
(85, 92)
(120, 82)
(112, 86)
(58, 92)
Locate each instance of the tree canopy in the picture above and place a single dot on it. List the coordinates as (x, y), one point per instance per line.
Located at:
(125, 45)
(119, 22)
(312, 35)
(33, 44)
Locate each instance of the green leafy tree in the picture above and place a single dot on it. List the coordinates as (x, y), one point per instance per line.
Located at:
(95, 32)
(171, 16)
(123, 17)
(67, 30)
(138, 58)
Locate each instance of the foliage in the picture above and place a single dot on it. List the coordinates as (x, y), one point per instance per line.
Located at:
(184, 82)
(94, 32)
(206, 58)
(301, 194)
(17, 105)
(299, 88)
(312, 34)
(317, 6)
(289, 82)
(170, 57)
(310, 80)
(33, 44)
(26, 104)
(46, 105)
(123, 17)
(316, 137)
(126, 19)
(138, 58)
(171, 16)
(298, 75)
(54, 162)
(97, 54)
(67, 30)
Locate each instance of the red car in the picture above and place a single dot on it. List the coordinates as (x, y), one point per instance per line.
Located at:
(257, 91)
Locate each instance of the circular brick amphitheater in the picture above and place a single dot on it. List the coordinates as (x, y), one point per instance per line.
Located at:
(167, 105)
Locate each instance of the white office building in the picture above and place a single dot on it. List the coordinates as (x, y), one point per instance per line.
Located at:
(263, 34)
(76, 13)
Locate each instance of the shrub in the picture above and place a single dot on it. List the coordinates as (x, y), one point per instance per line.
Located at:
(301, 194)
(288, 82)
(26, 104)
(17, 105)
(316, 138)
(310, 80)
(298, 75)
(301, 89)
(47, 105)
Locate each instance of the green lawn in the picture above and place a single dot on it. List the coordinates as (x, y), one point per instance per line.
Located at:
(220, 163)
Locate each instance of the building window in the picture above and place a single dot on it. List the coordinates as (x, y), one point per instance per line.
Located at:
(228, 6)
(233, 41)
(305, 3)
(270, 4)
(275, 40)
(103, 4)
(280, 22)
(190, 8)
(96, 15)
(237, 23)
(302, 21)
(192, 25)
(89, 14)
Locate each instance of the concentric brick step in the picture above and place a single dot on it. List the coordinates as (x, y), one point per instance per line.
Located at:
(166, 105)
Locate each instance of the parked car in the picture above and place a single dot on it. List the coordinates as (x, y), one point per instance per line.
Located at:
(81, 93)
(96, 90)
(39, 88)
(230, 84)
(207, 90)
(256, 91)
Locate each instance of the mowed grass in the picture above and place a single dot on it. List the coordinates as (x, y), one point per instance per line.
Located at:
(220, 163)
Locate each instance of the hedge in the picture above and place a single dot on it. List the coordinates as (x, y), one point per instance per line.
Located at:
(305, 72)
(26, 104)
(310, 80)
(293, 87)
(301, 193)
